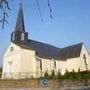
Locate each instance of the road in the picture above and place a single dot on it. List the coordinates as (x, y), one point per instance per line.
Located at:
(65, 88)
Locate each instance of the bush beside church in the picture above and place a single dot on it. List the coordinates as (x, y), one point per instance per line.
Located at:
(68, 75)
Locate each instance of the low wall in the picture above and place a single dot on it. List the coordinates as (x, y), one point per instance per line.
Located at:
(39, 83)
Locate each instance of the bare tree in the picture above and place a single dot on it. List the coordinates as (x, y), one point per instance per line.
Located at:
(4, 6)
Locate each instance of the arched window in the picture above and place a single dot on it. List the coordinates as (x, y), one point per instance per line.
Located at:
(22, 36)
(40, 64)
(85, 61)
(54, 64)
(11, 49)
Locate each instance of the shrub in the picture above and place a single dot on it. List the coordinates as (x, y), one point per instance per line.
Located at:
(66, 75)
(59, 76)
(52, 73)
(46, 75)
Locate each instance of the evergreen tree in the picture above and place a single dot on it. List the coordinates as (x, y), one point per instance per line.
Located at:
(46, 75)
(59, 76)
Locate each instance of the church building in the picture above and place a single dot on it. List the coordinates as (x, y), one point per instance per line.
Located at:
(26, 58)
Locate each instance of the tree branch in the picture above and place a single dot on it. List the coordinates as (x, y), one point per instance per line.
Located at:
(39, 10)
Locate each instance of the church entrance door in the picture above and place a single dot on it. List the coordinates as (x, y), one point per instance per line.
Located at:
(10, 71)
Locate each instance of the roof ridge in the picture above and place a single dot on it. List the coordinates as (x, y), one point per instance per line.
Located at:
(44, 43)
(73, 45)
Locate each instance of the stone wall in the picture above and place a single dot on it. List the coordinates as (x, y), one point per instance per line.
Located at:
(35, 83)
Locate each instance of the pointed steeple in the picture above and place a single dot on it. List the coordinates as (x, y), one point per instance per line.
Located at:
(20, 20)
(19, 36)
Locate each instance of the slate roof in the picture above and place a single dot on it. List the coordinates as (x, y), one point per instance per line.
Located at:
(44, 50)
(71, 51)
(51, 52)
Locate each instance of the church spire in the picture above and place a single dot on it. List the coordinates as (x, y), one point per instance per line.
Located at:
(19, 36)
(20, 20)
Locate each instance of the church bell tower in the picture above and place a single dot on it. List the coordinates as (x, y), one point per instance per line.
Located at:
(19, 36)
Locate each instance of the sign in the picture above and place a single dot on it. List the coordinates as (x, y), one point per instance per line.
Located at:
(44, 82)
